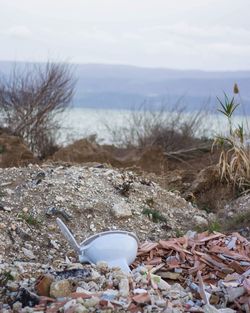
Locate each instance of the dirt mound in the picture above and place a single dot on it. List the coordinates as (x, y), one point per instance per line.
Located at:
(82, 151)
(90, 200)
(236, 215)
(192, 172)
(13, 152)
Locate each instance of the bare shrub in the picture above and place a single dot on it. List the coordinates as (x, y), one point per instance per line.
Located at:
(170, 128)
(30, 100)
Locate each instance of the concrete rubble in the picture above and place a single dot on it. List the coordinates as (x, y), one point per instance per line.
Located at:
(205, 272)
(90, 199)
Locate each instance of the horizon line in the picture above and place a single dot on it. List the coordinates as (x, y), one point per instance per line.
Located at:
(131, 66)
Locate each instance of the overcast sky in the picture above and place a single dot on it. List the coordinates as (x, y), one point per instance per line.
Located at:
(184, 34)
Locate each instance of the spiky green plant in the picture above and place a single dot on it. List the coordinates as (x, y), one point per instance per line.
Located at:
(234, 161)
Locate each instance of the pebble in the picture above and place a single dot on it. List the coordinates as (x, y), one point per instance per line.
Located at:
(124, 287)
(121, 210)
(61, 288)
(28, 253)
(200, 221)
(79, 308)
(69, 304)
(91, 302)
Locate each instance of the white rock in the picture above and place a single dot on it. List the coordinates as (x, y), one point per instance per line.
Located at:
(8, 209)
(210, 309)
(55, 244)
(92, 227)
(91, 302)
(28, 253)
(95, 275)
(163, 285)
(82, 290)
(234, 293)
(121, 209)
(69, 304)
(139, 291)
(61, 288)
(200, 221)
(124, 287)
(80, 309)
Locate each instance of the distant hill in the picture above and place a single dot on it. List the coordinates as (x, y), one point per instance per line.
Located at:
(123, 86)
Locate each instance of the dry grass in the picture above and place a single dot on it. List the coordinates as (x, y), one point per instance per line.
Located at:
(234, 162)
(170, 128)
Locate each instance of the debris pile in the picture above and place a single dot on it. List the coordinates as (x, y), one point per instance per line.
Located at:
(215, 266)
(90, 199)
(39, 273)
(196, 273)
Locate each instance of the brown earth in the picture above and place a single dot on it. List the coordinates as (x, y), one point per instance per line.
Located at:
(13, 152)
(193, 173)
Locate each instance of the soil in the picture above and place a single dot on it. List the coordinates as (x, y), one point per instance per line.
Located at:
(191, 174)
(89, 199)
(95, 188)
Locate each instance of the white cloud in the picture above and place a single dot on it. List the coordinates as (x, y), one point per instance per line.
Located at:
(18, 31)
(189, 34)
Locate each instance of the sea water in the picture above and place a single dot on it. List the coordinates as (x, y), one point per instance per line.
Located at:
(80, 123)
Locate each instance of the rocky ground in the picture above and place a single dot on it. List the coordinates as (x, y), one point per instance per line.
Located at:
(39, 271)
(89, 199)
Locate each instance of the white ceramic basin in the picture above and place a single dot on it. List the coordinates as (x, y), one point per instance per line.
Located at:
(118, 248)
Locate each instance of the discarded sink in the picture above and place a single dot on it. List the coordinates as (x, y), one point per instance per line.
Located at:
(118, 248)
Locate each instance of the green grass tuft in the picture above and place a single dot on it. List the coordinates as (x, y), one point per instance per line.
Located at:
(154, 215)
(29, 219)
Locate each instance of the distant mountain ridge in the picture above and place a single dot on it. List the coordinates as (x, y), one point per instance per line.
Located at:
(125, 86)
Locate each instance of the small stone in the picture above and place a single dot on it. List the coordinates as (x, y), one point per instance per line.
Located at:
(214, 299)
(163, 285)
(110, 294)
(121, 210)
(82, 290)
(7, 209)
(92, 227)
(17, 307)
(200, 221)
(142, 298)
(61, 288)
(25, 210)
(92, 302)
(210, 309)
(102, 266)
(54, 244)
(161, 303)
(59, 199)
(12, 286)
(79, 308)
(139, 290)
(170, 275)
(69, 305)
(234, 293)
(124, 287)
(95, 275)
(52, 227)
(28, 253)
